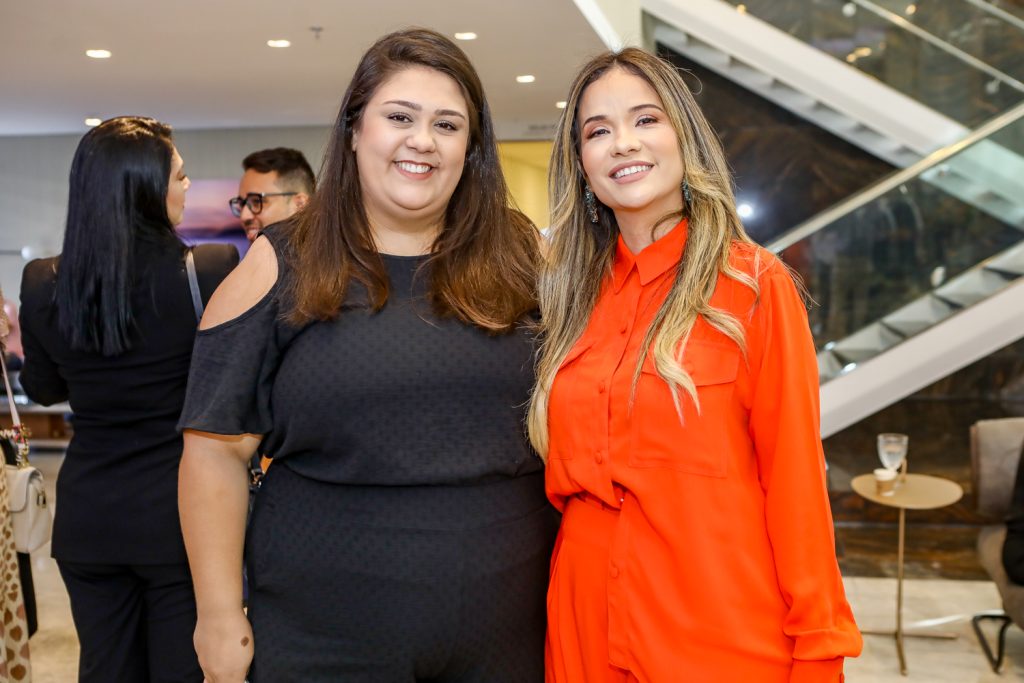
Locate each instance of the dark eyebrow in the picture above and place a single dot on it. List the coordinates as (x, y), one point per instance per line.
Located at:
(416, 107)
(449, 112)
(632, 110)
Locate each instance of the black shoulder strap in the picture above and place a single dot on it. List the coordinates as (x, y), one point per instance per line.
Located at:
(193, 284)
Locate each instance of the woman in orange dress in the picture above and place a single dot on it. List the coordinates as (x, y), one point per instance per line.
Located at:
(677, 409)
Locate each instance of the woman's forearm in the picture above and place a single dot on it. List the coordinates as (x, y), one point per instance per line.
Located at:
(212, 501)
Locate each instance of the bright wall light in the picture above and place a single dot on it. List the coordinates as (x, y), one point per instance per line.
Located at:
(279, 43)
(467, 35)
(745, 210)
(525, 78)
(93, 121)
(98, 54)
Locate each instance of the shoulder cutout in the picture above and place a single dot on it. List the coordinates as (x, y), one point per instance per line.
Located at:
(245, 287)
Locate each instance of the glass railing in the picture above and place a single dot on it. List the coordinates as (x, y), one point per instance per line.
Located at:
(977, 28)
(963, 58)
(915, 247)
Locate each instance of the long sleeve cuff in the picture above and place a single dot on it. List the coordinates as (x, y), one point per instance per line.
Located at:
(817, 671)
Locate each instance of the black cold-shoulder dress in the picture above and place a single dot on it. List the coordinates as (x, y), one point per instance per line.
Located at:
(402, 533)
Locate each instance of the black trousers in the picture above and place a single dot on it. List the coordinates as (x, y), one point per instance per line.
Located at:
(361, 584)
(134, 622)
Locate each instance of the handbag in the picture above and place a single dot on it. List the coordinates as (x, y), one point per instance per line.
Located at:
(26, 495)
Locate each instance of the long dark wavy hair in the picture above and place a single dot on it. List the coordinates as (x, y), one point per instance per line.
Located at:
(485, 260)
(118, 194)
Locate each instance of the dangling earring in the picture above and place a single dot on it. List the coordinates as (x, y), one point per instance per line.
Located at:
(591, 203)
(687, 197)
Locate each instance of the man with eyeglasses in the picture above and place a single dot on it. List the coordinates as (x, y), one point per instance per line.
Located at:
(277, 183)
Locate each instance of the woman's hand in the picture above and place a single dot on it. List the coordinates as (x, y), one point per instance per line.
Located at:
(224, 645)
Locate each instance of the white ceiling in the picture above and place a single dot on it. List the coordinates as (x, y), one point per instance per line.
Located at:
(205, 64)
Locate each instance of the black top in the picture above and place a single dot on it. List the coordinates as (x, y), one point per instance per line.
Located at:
(118, 485)
(397, 397)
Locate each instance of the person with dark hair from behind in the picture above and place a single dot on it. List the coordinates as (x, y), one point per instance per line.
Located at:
(381, 348)
(276, 185)
(108, 325)
(1013, 547)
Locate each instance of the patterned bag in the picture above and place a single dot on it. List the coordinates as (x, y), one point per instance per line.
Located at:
(15, 661)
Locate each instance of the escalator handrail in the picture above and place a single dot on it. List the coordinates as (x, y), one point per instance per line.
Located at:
(894, 180)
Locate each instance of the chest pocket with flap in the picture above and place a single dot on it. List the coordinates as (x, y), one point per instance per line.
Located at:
(699, 443)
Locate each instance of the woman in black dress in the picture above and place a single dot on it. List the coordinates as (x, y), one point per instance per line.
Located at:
(108, 326)
(378, 348)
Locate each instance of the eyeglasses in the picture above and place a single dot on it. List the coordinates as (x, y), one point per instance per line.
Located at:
(254, 200)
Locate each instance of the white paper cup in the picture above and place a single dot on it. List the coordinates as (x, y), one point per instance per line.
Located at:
(885, 481)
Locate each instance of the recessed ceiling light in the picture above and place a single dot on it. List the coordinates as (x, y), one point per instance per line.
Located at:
(742, 9)
(279, 43)
(560, 105)
(526, 78)
(468, 35)
(98, 54)
(93, 121)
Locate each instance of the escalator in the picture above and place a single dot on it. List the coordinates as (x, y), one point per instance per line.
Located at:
(872, 76)
(911, 282)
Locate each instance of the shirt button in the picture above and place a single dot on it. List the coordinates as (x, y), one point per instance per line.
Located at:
(625, 326)
(599, 457)
(614, 571)
(601, 387)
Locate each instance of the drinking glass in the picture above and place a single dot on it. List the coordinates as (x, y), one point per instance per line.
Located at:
(892, 450)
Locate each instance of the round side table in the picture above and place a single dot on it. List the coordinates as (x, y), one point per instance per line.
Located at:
(913, 492)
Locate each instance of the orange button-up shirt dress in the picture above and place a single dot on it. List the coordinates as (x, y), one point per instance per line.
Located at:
(701, 550)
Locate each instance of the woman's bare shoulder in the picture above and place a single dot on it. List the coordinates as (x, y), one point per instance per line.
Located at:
(245, 287)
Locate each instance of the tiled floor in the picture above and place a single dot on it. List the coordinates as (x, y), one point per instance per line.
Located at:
(928, 660)
(55, 649)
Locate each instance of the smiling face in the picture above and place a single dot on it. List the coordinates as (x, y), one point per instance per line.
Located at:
(629, 149)
(410, 146)
(275, 208)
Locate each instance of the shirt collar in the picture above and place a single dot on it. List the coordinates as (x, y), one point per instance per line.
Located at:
(652, 261)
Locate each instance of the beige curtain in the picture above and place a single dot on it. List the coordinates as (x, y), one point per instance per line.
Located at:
(14, 654)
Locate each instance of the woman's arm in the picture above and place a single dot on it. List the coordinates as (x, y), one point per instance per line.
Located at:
(213, 496)
(213, 476)
(40, 377)
(784, 424)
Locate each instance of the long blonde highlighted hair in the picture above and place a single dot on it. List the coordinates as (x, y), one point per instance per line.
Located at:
(581, 253)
